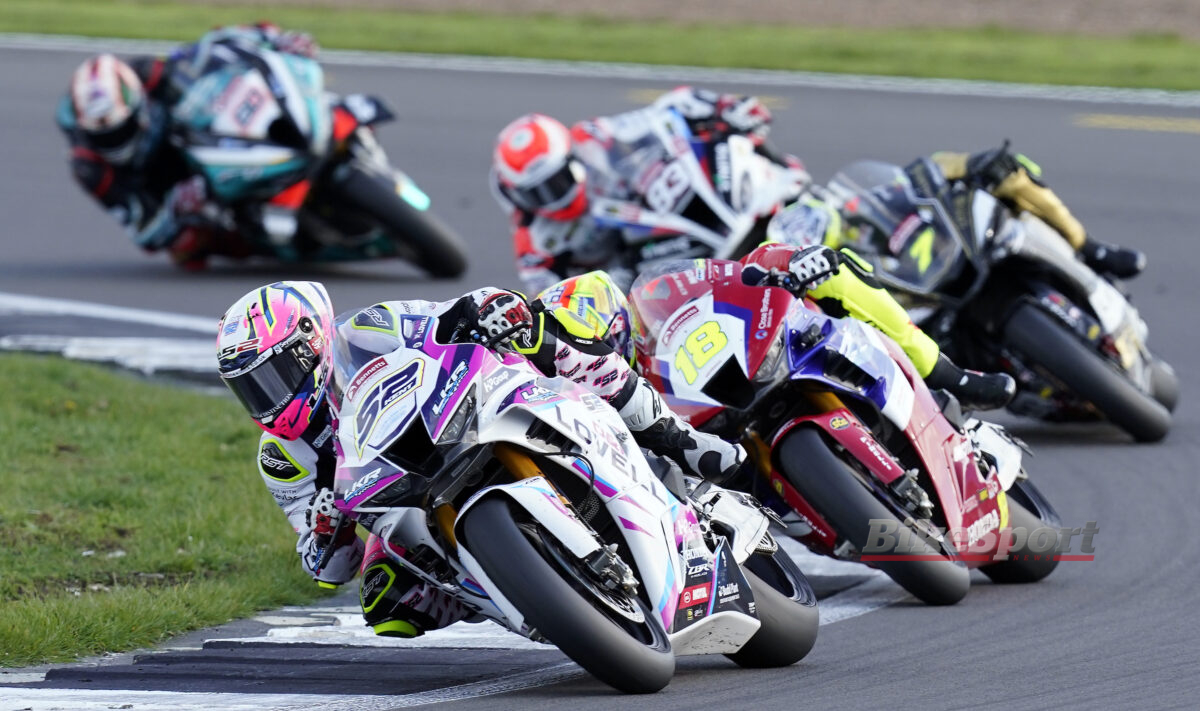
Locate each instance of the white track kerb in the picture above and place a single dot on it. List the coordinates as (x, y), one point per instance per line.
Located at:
(661, 72)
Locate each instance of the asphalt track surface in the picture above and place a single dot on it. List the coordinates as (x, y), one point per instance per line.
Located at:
(1122, 631)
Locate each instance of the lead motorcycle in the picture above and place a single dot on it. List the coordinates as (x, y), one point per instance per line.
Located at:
(1001, 291)
(525, 498)
(847, 439)
(298, 170)
(699, 198)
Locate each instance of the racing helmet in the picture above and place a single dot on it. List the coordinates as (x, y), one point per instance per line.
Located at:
(273, 352)
(535, 168)
(597, 301)
(110, 107)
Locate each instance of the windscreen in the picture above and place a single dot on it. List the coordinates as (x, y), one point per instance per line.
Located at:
(909, 237)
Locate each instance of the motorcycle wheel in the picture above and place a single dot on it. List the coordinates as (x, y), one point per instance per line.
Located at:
(1022, 566)
(557, 600)
(438, 250)
(833, 488)
(1164, 384)
(786, 606)
(1035, 333)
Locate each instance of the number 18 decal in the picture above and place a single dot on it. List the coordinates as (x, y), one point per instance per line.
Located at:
(698, 349)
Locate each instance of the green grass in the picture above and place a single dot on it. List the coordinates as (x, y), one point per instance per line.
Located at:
(129, 512)
(985, 53)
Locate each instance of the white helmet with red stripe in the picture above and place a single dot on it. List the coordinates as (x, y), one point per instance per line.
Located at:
(536, 169)
(109, 105)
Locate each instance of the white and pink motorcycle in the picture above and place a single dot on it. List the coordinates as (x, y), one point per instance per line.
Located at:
(525, 498)
(697, 198)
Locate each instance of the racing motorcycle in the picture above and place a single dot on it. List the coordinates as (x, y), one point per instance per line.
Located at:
(865, 463)
(299, 169)
(697, 198)
(1001, 291)
(525, 498)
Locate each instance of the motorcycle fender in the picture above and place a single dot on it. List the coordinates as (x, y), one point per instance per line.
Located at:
(846, 429)
(537, 496)
(996, 442)
(366, 109)
(1062, 309)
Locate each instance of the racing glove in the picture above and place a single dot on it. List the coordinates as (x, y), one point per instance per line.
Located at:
(298, 43)
(745, 115)
(806, 268)
(327, 535)
(504, 320)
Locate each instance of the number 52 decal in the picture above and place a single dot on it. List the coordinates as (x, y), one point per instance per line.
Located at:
(698, 349)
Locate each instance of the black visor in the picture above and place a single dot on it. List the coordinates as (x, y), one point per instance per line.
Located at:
(116, 137)
(550, 191)
(269, 387)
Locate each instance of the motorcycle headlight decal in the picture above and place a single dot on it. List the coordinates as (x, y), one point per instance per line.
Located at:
(771, 367)
(463, 419)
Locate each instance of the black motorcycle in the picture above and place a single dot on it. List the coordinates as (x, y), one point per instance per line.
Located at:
(1004, 291)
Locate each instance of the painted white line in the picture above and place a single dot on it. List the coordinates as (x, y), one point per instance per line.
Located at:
(673, 73)
(21, 677)
(859, 600)
(20, 304)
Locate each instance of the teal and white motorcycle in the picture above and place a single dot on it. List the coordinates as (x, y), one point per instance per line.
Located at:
(299, 169)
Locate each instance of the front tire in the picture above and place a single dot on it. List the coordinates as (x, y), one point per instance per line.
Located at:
(787, 608)
(560, 611)
(438, 250)
(832, 487)
(1023, 565)
(1037, 335)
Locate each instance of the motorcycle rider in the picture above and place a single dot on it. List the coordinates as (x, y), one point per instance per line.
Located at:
(543, 174)
(277, 347)
(1017, 181)
(839, 281)
(116, 118)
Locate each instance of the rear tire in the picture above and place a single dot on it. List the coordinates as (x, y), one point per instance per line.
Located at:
(1036, 334)
(832, 487)
(560, 612)
(787, 607)
(1023, 565)
(439, 250)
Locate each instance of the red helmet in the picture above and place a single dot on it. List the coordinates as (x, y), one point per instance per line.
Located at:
(109, 105)
(536, 169)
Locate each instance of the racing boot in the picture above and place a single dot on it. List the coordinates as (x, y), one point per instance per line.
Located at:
(1120, 262)
(661, 431)
(974, 390)
(396, 603)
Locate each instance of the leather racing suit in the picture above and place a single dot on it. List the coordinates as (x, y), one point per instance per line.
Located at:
(299, 473)
(611, 149)
(147, 194)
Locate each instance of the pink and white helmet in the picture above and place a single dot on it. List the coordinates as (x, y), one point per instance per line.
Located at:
(273, 351)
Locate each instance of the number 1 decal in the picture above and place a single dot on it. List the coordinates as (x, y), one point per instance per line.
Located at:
(698, 349)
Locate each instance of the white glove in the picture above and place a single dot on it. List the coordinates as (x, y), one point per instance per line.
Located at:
(810, 267)
(504, 318)
(746, 115)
